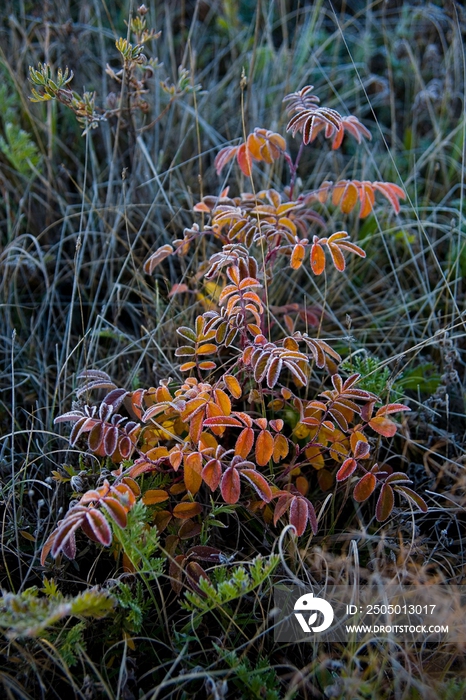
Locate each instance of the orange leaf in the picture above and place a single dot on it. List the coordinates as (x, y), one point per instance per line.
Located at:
(154, 496)
(264, 447)
(244, 160)
(297, 256)
(212, 473)
(222, 421)
(233, 385)
(364, 488)
(222, 400)
(186, 510)
(244, 442)
(302, 484)
(280, 448)
(349, 199)
(317, 258)
(187, 366)
(337, 257)
(383, 426)
(192, 472)
(206, 349)
(207, 365)
(195, 427)
(392, 408)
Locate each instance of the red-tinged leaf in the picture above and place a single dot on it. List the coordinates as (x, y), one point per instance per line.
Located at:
(157, 257)
(116, 511)
(385, 503)
(223, 156)
(412, 496)
(224, 421)
(110, 440)
(338, 138)
(259, 483)
(280, 448)
(99, 526)
(125, 446)
(312, 517)
(299, 514)
(212, 473)
(392, 408)
(347, 468)
(186, 510)
(195, 572)
(317, 259)
(364, 488)
(361, 450)
(367, 410)
(201, 206)
(283, 503)
(161, 519)
(116, 397)
(310, 420)
(154, 496)
(233, 385)
(244, 160)
(383, 426)
(69, 546)
(264, 447)
(244, 442)
(297, 256)
(356, 437)
(185, 367)
(338, 258)
(398, 477)
(230, 486)
(273, 371)
(91, 496)
(392, 192)
(65, 531)
(78, 428)
(178, 289)
(192, 472)
(95, 437)
(47, 547)
(189, 529)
